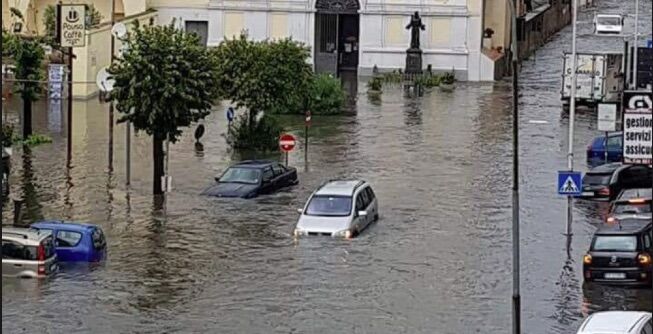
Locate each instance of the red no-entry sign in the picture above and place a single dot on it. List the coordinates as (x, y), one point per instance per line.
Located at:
(287, 142)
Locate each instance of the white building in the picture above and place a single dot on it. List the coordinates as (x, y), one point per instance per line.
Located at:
(347, 35)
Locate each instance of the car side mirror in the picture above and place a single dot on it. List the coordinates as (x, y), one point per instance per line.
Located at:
(300, 211)
(362, 213)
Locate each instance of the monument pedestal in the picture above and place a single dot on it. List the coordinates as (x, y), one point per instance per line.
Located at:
(413, 61)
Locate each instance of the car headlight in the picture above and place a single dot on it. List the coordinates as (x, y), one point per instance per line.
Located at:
(343, 234)
(297, 232)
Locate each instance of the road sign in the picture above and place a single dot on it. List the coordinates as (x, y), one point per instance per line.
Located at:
(287, 142)
(56, 75)
(230, 114)
(104, 80)
(72, 25)
(638, 127)
(569, 183)
(607, 117)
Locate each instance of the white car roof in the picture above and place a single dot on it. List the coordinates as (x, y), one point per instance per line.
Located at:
(612, 322)
(339, 188)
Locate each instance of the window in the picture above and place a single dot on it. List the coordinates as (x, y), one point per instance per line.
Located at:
(268, 174)
(332, 206)
(648, 329)
(615, 243)
(15, 251)
(68, 238)
(365, 198)
(98, 239)
(615, 143)
(241, 175)
(370, 193)
(597, 179)
(278, 169)
(626, 208)
(360, 205)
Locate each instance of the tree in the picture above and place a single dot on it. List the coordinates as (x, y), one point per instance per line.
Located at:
(262, 75)
(165, 81)
(28, 55)
(50, 24)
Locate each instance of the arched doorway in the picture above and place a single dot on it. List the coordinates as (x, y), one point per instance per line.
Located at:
(336, 36)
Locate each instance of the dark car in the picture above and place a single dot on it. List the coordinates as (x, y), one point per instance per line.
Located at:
(251, 178)
(621, 253)
(605, 182)
(597, 148)
(631, 203)
(75, 242)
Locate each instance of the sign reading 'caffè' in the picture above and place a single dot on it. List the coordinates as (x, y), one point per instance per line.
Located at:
(72, 25)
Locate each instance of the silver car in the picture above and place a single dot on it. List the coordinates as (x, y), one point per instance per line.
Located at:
(338, 209)
(28, 253)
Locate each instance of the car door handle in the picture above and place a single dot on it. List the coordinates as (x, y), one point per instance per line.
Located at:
(17, 265)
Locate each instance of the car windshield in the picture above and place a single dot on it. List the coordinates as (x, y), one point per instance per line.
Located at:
(597, 179)
(636, 193)
(609, 21)
(615, 243)
(627, 208)
(241, 175)
(333, 206)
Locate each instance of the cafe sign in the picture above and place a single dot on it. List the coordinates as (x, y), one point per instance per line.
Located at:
(72, 27)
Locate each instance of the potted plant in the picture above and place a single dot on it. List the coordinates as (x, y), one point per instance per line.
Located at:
(446, 81)
(374, 86)
(487, 38)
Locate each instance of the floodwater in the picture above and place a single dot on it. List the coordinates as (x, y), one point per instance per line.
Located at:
(438, 260)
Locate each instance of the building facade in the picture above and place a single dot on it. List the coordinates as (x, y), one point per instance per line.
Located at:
(347, 35)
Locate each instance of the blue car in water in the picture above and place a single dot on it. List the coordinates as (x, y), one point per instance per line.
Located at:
(597, 147)
(76, 242)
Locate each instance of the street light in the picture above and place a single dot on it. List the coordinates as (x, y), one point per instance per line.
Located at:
(572, 110)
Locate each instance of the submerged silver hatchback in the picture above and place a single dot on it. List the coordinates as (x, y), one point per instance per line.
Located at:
(28, 253)
(338, 209)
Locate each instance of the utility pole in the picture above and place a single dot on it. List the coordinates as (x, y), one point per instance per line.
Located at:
(516, 294)
(636, 44)
(113, 43)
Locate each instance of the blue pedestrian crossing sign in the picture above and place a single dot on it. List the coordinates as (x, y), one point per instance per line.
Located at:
(569, 183)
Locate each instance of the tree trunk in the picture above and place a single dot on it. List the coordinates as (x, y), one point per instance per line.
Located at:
(27, 118)
(158, 158)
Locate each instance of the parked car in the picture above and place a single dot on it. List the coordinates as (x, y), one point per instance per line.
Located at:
(605, 182)
(621, 253)
(75, 242)
(608, 24)
(631, 203)
(617, 322)
(597, 147)
(338, 209)
(27, 253)
(251, 178)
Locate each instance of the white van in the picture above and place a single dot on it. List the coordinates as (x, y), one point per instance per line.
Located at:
(617, 322)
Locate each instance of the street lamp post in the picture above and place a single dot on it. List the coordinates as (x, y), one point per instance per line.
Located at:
(572, 110)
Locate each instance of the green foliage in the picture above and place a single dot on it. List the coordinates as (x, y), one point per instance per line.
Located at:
(261, 136)
(263, 75)
(50, 23)
(9, 43)
(8, 136)
(375, 84)
(394, 77)
(324, 96)
(428, 81)
(448, 78)
(93, 17)
(36, 139)
(28, 55)
(164, 81)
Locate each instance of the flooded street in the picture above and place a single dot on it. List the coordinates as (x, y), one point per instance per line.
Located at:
(437, 261)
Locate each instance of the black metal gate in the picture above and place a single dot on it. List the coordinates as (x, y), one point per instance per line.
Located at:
(336, 36)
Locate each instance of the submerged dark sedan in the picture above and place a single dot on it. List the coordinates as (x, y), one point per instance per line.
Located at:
(248, 179)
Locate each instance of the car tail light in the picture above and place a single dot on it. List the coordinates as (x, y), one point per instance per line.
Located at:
(644, 259)
(637, 201)
(40, 253)
(611, 220)
(587, 259)
(604, 191)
